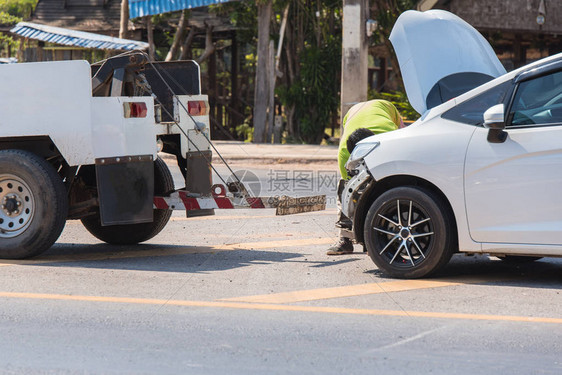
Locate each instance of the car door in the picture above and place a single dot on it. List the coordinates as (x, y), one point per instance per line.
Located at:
(513, 189)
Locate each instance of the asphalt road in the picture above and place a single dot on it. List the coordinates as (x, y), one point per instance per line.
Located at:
(246, 292)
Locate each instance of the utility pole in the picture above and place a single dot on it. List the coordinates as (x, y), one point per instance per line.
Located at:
(261, 94)
(123, 29)
(355, 48)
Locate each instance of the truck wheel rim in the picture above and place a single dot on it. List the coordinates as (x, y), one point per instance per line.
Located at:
(16, 206)
(403, 232)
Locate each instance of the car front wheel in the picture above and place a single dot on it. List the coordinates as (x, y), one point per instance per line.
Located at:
(409, 232)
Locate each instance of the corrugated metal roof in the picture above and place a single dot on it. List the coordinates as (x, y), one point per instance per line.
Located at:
(140, 8)
(69, 37)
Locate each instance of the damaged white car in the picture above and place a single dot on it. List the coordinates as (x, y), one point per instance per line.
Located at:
(479, 172)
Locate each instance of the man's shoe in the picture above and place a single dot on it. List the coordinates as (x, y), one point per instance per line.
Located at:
(344, 246)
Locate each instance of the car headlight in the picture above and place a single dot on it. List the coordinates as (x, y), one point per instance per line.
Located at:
(359, 153)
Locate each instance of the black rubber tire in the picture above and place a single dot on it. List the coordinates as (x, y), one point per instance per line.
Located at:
(437, 247)
(518, 259)
(131, 234)
(48, 204)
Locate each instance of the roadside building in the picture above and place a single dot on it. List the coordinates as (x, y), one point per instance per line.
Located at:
(94, 16)
(520, 31)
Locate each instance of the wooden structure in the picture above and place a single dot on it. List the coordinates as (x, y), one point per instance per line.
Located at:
(103, 17)
(511, 27)
(97, 16)
(519, 30)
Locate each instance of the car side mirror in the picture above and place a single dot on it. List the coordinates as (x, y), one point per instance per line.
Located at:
(495, 122)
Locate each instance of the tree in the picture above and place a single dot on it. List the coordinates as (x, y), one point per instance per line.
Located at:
(311, 68)
(386, 12)
(12, 12)
(17, 8)
(309, 63)
(178, 37)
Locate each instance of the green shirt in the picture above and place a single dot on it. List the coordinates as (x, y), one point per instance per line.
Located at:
(379, 116)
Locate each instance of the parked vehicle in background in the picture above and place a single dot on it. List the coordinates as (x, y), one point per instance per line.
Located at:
(8, 60)
(479, 172)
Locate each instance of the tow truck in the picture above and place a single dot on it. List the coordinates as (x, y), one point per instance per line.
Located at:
(81, 141)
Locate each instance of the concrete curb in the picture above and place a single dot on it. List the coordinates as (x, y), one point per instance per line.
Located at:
(240, 152)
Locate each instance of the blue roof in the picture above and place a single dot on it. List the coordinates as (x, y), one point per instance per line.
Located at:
(69, 37)
(140, 8)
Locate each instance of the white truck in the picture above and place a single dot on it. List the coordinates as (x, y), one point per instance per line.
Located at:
(81, 141)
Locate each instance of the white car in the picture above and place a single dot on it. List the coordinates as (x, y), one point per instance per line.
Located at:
(479, 172)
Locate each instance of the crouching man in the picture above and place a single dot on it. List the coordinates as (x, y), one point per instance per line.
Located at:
(361, 121)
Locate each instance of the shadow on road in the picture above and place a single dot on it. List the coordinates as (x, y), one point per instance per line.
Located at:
(162, 258)
(481, 269)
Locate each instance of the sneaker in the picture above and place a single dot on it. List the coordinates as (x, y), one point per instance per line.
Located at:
(343, 246)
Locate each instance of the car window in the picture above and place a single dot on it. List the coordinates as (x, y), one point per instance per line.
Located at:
(472, 111)
(537, 101)
(455, 85)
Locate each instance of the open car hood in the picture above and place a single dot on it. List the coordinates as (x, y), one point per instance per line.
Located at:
(441, 57)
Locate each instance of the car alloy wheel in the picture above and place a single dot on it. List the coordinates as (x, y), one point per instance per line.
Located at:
(409, 232)
(404, 232)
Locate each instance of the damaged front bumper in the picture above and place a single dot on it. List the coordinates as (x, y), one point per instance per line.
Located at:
(354, 188)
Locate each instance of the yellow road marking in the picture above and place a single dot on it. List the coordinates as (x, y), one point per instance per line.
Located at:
(165, 251)
(357, 290)
(273, 307)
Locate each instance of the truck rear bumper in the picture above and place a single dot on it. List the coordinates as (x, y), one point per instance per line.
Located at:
(184, 200)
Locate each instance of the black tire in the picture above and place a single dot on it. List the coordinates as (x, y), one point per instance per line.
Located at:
(518, 259)
(414, 235)
(131, 234)
(33, 204)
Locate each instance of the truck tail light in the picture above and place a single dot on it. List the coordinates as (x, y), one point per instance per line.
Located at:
(135, 109)
(197, 107)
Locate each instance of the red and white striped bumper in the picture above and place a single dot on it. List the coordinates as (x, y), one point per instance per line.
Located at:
(181, 200)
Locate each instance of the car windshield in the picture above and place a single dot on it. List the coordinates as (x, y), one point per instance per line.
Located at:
(471, 112)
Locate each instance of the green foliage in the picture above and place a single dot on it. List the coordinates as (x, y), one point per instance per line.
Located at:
(243, 15)
(7, 19)
(400, 101)
(386, 14)
(245, 131)
(18, 8)
(310, 61)
(314, 93)
(12, 12)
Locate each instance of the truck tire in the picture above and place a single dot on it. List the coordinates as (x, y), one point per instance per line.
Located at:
(130, 234)
(33, 204)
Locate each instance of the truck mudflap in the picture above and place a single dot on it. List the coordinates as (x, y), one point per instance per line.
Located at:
(284, 205)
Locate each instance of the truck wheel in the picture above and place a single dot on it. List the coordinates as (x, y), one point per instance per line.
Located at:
(130, 234)
(33, 204)
(409, 232)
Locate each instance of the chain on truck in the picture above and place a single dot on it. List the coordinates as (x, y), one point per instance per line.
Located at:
(81, 141)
